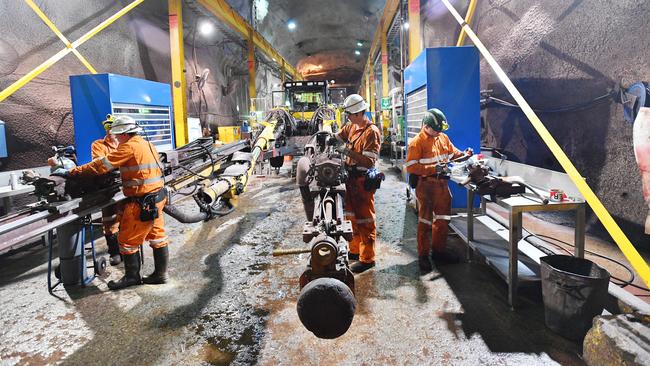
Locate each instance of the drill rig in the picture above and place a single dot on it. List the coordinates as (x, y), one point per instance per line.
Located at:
(326, 304)
(304, 111)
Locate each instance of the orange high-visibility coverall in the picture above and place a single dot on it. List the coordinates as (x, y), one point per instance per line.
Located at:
(360, 203)
(137, 160)
(432, 192)
(110, 214)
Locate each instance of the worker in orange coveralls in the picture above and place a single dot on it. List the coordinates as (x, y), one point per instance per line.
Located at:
(430, 150)
(362, 141)
(110, 215)
(142, 184)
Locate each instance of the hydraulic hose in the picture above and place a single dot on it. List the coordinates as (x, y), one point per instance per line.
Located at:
(185, 217)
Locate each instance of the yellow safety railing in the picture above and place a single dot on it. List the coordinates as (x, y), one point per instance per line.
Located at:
(632, 255)
(468, 20)
(70, 47)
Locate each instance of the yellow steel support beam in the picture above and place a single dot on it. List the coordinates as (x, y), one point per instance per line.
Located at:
(415, 30)
(59, 55)
(56, 31)
(468, 20)
(390, 9)
(252, 91)
(371, 82)
(632, 255)
(228, 15)
(384, 64)
(367, 89)
(179, 87)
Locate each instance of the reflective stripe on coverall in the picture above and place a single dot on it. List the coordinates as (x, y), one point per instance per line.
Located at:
(360, 203)
(111, 214)
(433, 195)
(137, 161)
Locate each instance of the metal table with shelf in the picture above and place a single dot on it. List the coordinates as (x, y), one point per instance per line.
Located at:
(516, 206)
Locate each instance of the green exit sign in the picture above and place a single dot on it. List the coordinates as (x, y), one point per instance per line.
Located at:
(385, 103)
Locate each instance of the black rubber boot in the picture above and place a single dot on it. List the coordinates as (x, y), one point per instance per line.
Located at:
(358, 267)
(113, 249)
(131, 273)
(424, 264)
(353, 257)
(160, 260)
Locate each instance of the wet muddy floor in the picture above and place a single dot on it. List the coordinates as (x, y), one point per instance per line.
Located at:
(230, 301)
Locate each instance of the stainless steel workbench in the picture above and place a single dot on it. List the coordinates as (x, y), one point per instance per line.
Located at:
(516, 206)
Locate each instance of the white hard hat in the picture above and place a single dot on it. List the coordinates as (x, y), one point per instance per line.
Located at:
(125, 124)
(354, 103)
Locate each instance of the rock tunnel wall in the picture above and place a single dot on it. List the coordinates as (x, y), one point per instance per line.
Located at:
(562, 53)
(39, 115)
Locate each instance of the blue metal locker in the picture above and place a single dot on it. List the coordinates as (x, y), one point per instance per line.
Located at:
(446, 78)
(96, 95)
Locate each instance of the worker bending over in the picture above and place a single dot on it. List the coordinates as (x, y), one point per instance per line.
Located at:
(142, 217)
(361, 142)
(110, 215)
(430, 150)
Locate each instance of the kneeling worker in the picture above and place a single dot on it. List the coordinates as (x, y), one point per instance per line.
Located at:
(430, 148)
(110, 215)
(142, 217)
(362, 141)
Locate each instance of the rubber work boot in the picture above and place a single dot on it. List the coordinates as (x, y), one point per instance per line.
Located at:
(131, 273)
(358, 267)
(113, 249)
(424, 264)
(160, 261)
(353, 257)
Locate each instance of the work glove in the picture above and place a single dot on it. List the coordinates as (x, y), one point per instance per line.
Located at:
(53, 161)
(342, 149)
(333, 141)
(60, 172)
(442, 169)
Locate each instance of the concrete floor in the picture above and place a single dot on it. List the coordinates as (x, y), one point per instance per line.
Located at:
(231, 302)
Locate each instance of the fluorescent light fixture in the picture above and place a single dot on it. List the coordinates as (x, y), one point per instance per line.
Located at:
(206, 28)
(332, 81)
(291, 25)
(359, 44)
(406, 25)
(357, 52)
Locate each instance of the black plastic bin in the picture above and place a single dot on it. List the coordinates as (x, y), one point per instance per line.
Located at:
(574, 292)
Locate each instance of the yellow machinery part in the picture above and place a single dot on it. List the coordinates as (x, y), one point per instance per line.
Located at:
(228, 134)
(302, 115)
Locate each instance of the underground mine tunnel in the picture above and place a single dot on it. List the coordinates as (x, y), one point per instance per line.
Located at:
(361, 182)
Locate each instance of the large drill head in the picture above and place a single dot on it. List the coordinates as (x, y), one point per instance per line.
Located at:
(326, 307)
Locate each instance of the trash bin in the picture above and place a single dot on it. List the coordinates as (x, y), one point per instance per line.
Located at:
(574, 292)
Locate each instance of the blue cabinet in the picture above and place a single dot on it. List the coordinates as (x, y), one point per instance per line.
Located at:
(96, 95)
(446, 78)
